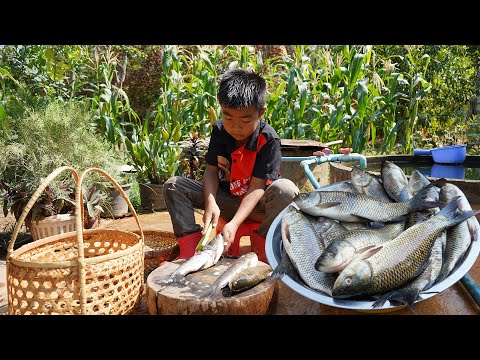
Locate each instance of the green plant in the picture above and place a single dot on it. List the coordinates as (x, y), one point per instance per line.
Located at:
(40, 140)
(193, 162)
(155, 153)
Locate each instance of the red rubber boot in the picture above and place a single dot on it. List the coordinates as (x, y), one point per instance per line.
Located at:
(257, 245)
(188, 244)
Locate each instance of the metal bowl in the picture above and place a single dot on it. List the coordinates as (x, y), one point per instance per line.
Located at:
(274, 251)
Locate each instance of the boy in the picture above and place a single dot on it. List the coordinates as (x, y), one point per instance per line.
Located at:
(242, 178)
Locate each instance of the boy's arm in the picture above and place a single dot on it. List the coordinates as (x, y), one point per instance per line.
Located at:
(210, 187)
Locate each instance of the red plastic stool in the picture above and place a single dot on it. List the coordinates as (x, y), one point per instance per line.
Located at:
(244, 230)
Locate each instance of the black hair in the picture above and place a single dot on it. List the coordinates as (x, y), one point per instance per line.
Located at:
(242, 88)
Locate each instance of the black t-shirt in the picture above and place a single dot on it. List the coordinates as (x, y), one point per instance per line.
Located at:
(259, 157)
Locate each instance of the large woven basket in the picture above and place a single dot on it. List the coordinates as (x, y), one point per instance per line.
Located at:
(160, 246)
(95, 271)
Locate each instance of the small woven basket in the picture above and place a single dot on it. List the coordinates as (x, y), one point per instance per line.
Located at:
(95, 271)
(52, 225)
(160, 246)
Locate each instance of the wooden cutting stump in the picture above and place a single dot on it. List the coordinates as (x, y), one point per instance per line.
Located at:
(188, 299)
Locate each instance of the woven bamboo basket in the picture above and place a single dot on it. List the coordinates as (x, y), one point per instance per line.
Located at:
(95, 271)
(160, 246)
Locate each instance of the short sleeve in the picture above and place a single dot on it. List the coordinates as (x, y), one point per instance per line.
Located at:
(211, 155)
(267, 163)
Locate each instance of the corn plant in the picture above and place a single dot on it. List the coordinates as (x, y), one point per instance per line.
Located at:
(109, 101)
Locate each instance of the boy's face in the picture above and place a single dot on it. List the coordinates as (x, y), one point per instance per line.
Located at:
(241, 123)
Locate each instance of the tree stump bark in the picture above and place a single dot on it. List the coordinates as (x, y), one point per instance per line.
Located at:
(188, 299)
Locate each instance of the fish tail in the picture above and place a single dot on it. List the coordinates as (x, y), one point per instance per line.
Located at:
(420, 200)
(405, 297)
(449, 212)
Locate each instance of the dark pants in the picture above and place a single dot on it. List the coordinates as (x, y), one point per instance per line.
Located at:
(182, 195)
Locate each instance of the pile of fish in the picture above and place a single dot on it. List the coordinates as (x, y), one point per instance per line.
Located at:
(388, 238)
(243, 274)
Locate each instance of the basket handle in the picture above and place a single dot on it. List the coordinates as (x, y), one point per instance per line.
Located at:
(79, 227)
(32, 201)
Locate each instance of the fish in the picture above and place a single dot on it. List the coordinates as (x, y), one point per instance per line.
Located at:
(248, 278)
(207, 257)
(460, 236)
(351, 244)
(243, 262)
(355, 225)
(326, 229)
(339, 186)
(410, 292)
(356, 207)
(399, 260)
(417, 182)
(395, 181)
(367, 184)
(286, 267)
(303, 249)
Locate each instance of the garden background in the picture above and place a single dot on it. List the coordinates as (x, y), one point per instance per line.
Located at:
(152, 107)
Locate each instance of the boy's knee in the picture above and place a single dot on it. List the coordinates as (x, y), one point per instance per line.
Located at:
(171, 183)
(286, 188)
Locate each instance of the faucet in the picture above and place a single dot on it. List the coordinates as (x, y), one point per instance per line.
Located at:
(305, 162)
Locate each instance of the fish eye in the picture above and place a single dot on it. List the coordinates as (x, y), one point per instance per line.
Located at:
(348, 281)
(331, 255)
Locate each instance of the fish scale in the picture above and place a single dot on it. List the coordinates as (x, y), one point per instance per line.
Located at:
(305, 250)
(404, 256)
(410, 291)
(398, 260)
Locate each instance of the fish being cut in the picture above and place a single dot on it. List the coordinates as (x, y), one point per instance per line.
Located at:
(207, 257)
(243, 262)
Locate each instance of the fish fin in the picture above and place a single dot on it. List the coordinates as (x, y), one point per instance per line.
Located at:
(363, 249)
(439, 182)
(327, 205)
(285, 267)
(419, 201)
(402, 296)
(366, 254)
(362, 219)
(404, 195)
(449, 211)
(424, 266)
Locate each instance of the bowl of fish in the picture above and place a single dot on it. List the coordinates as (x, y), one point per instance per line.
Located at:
(351, 246)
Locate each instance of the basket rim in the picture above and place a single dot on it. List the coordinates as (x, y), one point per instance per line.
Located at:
(72, 263)
(146, 232)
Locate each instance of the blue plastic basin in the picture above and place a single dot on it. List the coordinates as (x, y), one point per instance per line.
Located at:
(454, 154)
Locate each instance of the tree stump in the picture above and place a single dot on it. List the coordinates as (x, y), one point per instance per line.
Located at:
(188, 299)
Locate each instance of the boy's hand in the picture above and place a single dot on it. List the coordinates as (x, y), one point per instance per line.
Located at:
(228, 232)
(212, 213)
